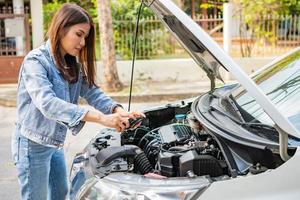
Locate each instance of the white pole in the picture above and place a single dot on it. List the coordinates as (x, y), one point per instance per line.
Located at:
(36, 7)
(18, 6)
(227, 31)
(227, 35)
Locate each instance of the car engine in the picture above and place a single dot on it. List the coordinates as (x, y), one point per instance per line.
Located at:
(178, 148)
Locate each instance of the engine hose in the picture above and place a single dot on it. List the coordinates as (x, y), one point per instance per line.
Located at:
(142, 163)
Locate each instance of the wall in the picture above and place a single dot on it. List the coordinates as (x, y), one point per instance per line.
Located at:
(176, 69)
(9, 68)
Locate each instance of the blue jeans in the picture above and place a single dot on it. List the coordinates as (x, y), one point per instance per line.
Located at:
(42, 171)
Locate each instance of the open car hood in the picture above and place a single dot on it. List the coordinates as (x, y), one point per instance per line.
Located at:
(209, 56)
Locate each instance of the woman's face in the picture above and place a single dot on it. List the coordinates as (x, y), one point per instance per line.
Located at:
(74, 39)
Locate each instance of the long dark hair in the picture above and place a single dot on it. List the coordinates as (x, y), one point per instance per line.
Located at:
(68, 15)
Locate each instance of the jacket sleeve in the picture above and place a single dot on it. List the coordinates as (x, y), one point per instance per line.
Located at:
(40, 89)
(97, 98)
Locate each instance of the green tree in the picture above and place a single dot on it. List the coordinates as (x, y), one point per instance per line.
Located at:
(124, 14)
(53, 5)
(49, 10)
(112, 81)
(294, 7)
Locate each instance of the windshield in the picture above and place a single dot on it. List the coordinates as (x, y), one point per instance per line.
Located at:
(281, 83)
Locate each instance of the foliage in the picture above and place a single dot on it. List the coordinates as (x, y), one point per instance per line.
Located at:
(294, 7)
(213, 4)
(264, 7)
(124, 14)
(53, 5)
(49, 10)
(260, 19)
(128, 9)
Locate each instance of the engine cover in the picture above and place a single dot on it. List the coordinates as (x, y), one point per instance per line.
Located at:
(174, 133)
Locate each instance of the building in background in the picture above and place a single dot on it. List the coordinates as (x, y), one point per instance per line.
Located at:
(17, 35)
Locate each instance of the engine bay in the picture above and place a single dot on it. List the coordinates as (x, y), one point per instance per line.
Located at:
(169, 142)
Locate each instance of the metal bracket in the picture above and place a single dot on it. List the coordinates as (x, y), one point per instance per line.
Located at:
(283, 143)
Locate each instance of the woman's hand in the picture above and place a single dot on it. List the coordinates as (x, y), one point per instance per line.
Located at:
(115, 120)
(119, 121)
(132, 115)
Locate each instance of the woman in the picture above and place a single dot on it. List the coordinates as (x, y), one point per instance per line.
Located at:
(50, 82)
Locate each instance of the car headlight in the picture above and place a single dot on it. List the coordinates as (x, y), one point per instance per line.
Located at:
(131, 186)
(77, 164)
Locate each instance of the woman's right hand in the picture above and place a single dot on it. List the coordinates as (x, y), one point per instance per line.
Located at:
(115, 120)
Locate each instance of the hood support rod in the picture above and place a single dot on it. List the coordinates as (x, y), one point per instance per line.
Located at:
(212, 81)
(283, 143)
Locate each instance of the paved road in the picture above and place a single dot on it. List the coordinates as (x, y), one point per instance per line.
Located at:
(9, 189)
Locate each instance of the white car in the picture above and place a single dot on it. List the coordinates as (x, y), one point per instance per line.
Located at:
(235, 142)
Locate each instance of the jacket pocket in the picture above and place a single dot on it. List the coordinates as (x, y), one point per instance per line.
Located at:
(22, 153)
(15, 149)
(19, 147)
(15, 144)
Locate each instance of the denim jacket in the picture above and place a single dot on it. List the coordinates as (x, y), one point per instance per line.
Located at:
(47, 104)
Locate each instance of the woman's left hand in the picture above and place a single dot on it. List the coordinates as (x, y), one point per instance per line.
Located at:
(132, 115)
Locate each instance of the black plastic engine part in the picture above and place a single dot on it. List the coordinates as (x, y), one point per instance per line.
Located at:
(114, 159)
(174, 133)
(163, 145)
(105, 138)
(200, 164)
(134, 122)
(142, 164)
(168, 163)
(106, 156)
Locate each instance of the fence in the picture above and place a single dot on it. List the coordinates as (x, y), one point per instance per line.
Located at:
(267, 36)
(153, 39)
(271, 36)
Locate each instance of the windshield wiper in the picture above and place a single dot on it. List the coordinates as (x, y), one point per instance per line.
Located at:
(221, 111)
(283, 88)
(262, 130)
(259, 129)
(230, 106)
(245, 124)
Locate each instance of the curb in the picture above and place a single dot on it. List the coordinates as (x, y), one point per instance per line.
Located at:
(8, 102)
(155, 97)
